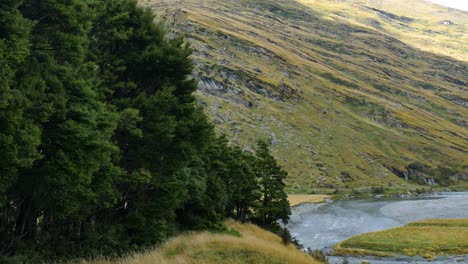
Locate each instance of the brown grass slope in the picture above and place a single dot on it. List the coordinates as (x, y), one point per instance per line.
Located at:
(350, 92)
(255, 246)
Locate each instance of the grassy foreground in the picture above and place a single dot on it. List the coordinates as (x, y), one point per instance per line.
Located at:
(297, 199)
(427, 238)
(254, 246)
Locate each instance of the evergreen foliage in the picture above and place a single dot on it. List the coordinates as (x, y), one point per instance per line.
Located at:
(103, 148)
(274, 201)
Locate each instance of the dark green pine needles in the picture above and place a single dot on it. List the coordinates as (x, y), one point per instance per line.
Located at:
(103, 147)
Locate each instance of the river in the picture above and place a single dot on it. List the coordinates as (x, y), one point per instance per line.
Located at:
(320, 226)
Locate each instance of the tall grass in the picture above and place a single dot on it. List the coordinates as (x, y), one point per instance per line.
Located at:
(254, 246)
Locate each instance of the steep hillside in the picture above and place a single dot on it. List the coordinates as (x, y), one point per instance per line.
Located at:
(352, 93)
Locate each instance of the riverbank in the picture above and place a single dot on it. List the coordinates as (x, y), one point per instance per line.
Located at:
(397, 260)
(298, 199)
(321, 226)
(301, 199)
(322, 194)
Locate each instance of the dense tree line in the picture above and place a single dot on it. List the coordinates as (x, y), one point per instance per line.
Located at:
(103, 147)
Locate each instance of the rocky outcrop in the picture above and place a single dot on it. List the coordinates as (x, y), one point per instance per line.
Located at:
(412, 174)
(420, 177)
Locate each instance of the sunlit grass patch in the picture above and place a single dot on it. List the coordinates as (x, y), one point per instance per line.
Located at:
(255, 245)
(296, 199)
(427, 238)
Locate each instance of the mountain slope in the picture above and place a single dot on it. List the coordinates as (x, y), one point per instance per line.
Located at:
(352, 93)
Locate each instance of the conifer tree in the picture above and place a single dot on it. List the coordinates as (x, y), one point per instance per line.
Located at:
(205, 208)
(103, 148)
(274, 203)
(145, 78)
(243, 187)
(19, 136)
(54, 196)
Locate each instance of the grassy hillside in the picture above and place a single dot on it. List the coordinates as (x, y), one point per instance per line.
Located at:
(425, 238)
(254, 246)
(353, 93)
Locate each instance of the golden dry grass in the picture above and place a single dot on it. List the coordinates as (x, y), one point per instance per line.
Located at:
(297, 199)
(255, 246)
(425, 14)
(424, 238)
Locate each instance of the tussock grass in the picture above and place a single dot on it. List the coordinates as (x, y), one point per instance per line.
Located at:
(442, 223)
(427, 238)
(376, 92)
(256, 245)
(297, 199)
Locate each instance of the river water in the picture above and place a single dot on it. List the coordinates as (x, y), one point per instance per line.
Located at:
(320, 226)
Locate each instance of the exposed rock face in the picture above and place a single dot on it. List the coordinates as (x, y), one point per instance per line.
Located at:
(447, 22)
(460, 177)
(420, 177)
(458, 100)
(210, 86)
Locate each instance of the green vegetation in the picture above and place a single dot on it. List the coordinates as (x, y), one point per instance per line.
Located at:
(427, 238)
(351, 92)
(255, 246)
(103, 147)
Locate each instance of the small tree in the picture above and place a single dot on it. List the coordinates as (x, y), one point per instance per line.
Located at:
(242, 184)
(274, 204)
(286, 237)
